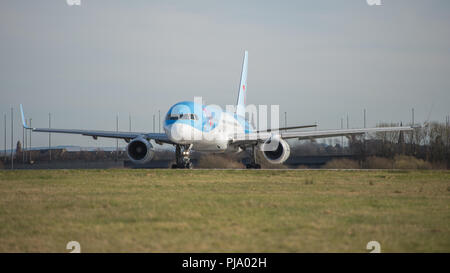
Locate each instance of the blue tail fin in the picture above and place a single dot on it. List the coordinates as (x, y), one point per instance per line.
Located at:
(240, 107)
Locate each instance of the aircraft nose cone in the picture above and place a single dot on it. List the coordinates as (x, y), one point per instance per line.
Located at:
(179, 132)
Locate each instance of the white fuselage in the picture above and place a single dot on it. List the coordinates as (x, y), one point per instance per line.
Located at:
(215, 139)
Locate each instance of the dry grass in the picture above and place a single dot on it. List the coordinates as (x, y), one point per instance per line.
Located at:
(399, 162)
(211, 161)
(374, 162)
(224, 210)
(411, 163)
(341, 164)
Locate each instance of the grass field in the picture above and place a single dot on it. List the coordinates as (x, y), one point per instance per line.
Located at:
(224, 210)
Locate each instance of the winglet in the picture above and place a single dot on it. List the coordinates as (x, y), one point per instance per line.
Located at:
(23, 118)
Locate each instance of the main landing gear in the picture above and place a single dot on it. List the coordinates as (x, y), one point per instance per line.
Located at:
(253, 164)
(182, 153)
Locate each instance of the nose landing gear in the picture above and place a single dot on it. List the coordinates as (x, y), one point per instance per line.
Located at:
(182, 153)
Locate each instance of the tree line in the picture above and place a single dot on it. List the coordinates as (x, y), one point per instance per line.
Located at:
(430, 143)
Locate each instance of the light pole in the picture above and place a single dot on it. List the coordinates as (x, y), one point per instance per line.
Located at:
(347, 122)
(117, 140)
(4, 154)
(285, 119)
(12, 138)
(129, 120)
(30, 140)
(26, 144)
(49, 138)
(364, 118)
(23, 140)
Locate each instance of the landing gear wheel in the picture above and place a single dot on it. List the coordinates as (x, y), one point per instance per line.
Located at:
(182, 153)
(253, 164)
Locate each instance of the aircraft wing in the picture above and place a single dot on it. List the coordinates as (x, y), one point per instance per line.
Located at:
(288, 128)
(159, 137)
(261, 137)
(341, 132)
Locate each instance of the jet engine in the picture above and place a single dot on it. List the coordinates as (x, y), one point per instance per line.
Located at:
(276, 154)
(140, 150)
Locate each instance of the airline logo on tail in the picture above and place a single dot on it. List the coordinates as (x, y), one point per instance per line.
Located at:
(240, 107)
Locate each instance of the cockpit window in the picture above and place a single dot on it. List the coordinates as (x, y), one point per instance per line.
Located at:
(182, 116)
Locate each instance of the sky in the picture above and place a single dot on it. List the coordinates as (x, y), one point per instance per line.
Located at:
(318, 60)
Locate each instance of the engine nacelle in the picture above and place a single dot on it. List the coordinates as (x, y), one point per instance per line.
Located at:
(278, 154)
(140, 150)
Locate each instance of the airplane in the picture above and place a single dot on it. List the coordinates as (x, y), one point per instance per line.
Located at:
(191, 126)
